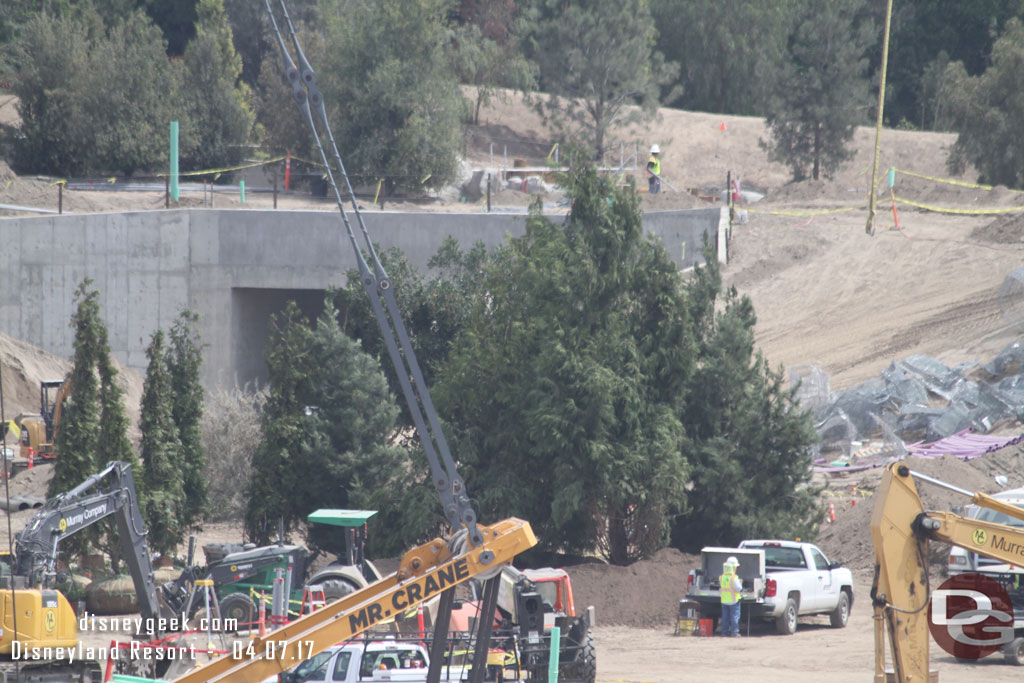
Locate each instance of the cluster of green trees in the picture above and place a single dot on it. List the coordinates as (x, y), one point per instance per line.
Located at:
(583, 386)
(98, 82)
(170, 480)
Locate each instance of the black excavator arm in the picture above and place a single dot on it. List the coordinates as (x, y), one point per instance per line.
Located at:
(110, 492)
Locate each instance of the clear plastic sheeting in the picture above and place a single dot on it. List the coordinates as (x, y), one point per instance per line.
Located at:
(922, 399)
(811, 386)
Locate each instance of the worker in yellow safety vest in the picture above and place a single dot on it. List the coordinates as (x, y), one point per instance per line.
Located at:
(654, 170)
(730, 586)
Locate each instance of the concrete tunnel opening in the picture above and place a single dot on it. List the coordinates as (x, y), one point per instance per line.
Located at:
(251, 311)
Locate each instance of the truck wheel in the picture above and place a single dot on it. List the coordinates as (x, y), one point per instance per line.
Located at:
(236, 607)
(785, 623)
(1014, 652)
(841, 614)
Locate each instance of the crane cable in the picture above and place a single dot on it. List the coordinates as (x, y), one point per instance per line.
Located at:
(451, 488)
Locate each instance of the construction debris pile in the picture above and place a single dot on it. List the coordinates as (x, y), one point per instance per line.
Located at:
(918, 399)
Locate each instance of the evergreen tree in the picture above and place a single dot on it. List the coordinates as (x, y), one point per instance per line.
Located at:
(184, 358)
(91, 99)
(325, 426)
(277, 466)
(390, 93)
(218, 112)
(819, 94)
(565, 387)
(725, 49)
(114, 445)
(161, 454)
(988, 111)
(77, 441)
(750, 442)
(597, 63)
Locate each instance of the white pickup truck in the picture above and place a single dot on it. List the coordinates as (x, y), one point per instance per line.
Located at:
(354, 662)
(782, 580)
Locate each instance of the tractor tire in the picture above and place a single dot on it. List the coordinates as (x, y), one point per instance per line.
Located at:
(587, 661)
(336, 587)
(841, 614)
(237, 607)
(1013, 653)
(785, 623)
(583, 669)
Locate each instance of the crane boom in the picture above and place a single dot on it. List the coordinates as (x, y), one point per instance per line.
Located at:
(425, 571)
(377, 285)
(432, 569)
(900, 531)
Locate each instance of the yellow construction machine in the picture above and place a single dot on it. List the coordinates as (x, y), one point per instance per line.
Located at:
(901, 529)
(38, 431)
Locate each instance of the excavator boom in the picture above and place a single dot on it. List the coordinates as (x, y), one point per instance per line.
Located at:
(900, 531)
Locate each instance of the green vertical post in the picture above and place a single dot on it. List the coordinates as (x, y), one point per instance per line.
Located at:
(174, 160)
(556, 640)
(892, 177)
(241, 190)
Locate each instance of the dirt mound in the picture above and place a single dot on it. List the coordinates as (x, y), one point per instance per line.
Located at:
(1008, 229)
(644, 594)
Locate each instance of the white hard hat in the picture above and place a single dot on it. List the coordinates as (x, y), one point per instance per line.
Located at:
(655, 149)
(733, 561)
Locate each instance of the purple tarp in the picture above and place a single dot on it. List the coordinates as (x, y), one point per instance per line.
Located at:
(964, 445)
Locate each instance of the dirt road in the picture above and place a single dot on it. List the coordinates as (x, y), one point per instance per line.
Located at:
(815, 653)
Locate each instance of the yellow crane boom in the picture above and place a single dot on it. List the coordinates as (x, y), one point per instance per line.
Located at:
(425, 571)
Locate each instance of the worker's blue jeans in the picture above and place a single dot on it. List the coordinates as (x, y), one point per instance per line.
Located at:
(730, 619)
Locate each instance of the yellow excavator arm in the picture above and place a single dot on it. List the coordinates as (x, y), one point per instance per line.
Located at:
(900, 531)
(425, 572)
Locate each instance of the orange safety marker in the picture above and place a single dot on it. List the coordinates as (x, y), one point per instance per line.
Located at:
(831, 512)
(31, 457)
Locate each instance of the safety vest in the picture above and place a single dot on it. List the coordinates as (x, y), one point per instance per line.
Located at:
(730, 595)
(654, 163)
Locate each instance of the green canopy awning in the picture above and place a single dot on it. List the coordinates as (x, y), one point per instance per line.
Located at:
(349, 518)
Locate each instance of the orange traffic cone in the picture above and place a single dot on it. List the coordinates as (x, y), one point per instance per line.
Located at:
(831, 512)
(31, 457)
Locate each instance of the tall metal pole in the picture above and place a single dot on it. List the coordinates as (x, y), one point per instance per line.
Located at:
(870, 228)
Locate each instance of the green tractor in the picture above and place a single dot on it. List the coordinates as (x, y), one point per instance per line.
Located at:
(242, 573)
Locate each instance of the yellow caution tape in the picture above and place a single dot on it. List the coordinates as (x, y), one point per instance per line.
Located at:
(228, 169)
(949, 181)
(943, 209)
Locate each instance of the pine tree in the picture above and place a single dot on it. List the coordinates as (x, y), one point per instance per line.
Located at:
(749, 441)
(76, 442)
(184, 358)
(114, 445)
(818, 95)
(162, 476)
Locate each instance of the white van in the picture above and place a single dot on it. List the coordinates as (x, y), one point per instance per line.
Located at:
(962, 560)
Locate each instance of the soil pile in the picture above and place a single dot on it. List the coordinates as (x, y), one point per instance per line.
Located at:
(645, 594)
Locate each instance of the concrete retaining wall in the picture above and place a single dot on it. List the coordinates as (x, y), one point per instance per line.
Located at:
(232, 267)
